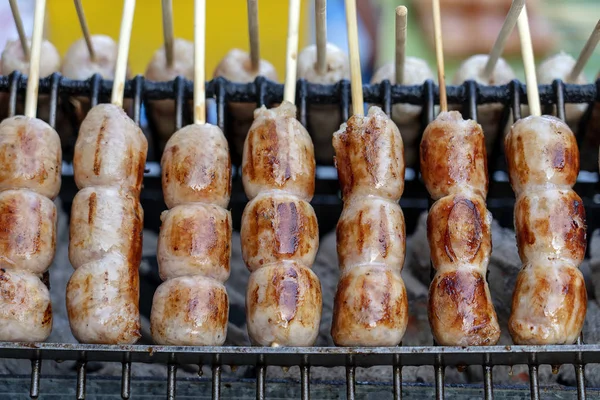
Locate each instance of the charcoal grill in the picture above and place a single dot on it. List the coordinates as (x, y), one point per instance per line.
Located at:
(328, 206)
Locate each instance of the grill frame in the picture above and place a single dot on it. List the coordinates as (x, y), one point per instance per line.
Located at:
(262, 92)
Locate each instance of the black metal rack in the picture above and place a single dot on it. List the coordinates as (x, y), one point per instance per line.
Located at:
(327, 205)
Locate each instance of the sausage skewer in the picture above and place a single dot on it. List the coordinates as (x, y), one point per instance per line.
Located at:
(325, 64)
(279, 232)
(549, 301)
(194, 246)
(454, 169)
(370, 305)
(105, 238)
(491, 70)
(20, 28)
(29, 180)
(405, 71)
(564, 67)
(171, 60)
(242, 67)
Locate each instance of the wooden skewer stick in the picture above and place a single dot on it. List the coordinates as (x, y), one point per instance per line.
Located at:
(533, 96)
(507, 28)
(123, 53)
(33, 80)
(199, 48)
(401, 13)
(355, 73)
(253, 34)
(585, 54)
(168, 32)
(85, 29)
(439, 54)
(321, 24)
(291, 56)
(20, 28)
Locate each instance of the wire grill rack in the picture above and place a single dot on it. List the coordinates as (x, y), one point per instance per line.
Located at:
(261, 91)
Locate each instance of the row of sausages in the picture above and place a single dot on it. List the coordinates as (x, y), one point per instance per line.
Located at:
(280, 233)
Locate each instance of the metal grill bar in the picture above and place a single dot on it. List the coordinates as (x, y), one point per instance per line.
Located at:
(36, 368)
(439, 377)
(81, 375)
(315, 94)
(305, 379)
(261, 372)
(171, 381)
(534, 384)
(397, 376)
(350, 382)
(126, 376)
(216, 380)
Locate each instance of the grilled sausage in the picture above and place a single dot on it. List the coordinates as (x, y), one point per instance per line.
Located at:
(279, 231)
(323, 119)
(283, 305)
(110, 150)
(369, 157)
(28, 231)
(195, 239)
(103, 220)
(278, 154)
(454, 169)
(25, 308)
(407, 116)
(277, 226)
(194, 246)
(103, 301)
(550, 300)
(370, 305)
(190, 311)
(30, 156)
(196, 167)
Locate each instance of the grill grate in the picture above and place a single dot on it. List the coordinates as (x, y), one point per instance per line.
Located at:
(263, 92)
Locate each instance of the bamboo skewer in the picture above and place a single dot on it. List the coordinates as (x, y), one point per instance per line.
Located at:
(20, 28)
(85, 29)
(355, 73)
(33, 80)
(439, 54)
(168, 31)
(123, 53)
(291, 57)
(401, 15)
(199, 48)
(585, 54)
(507, 28)
(253, 34)
(533, 96)
(321, 28)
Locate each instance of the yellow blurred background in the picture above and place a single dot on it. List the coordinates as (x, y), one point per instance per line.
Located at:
(226, 27)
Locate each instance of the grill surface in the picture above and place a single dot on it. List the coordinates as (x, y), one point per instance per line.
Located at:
(262, 92)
